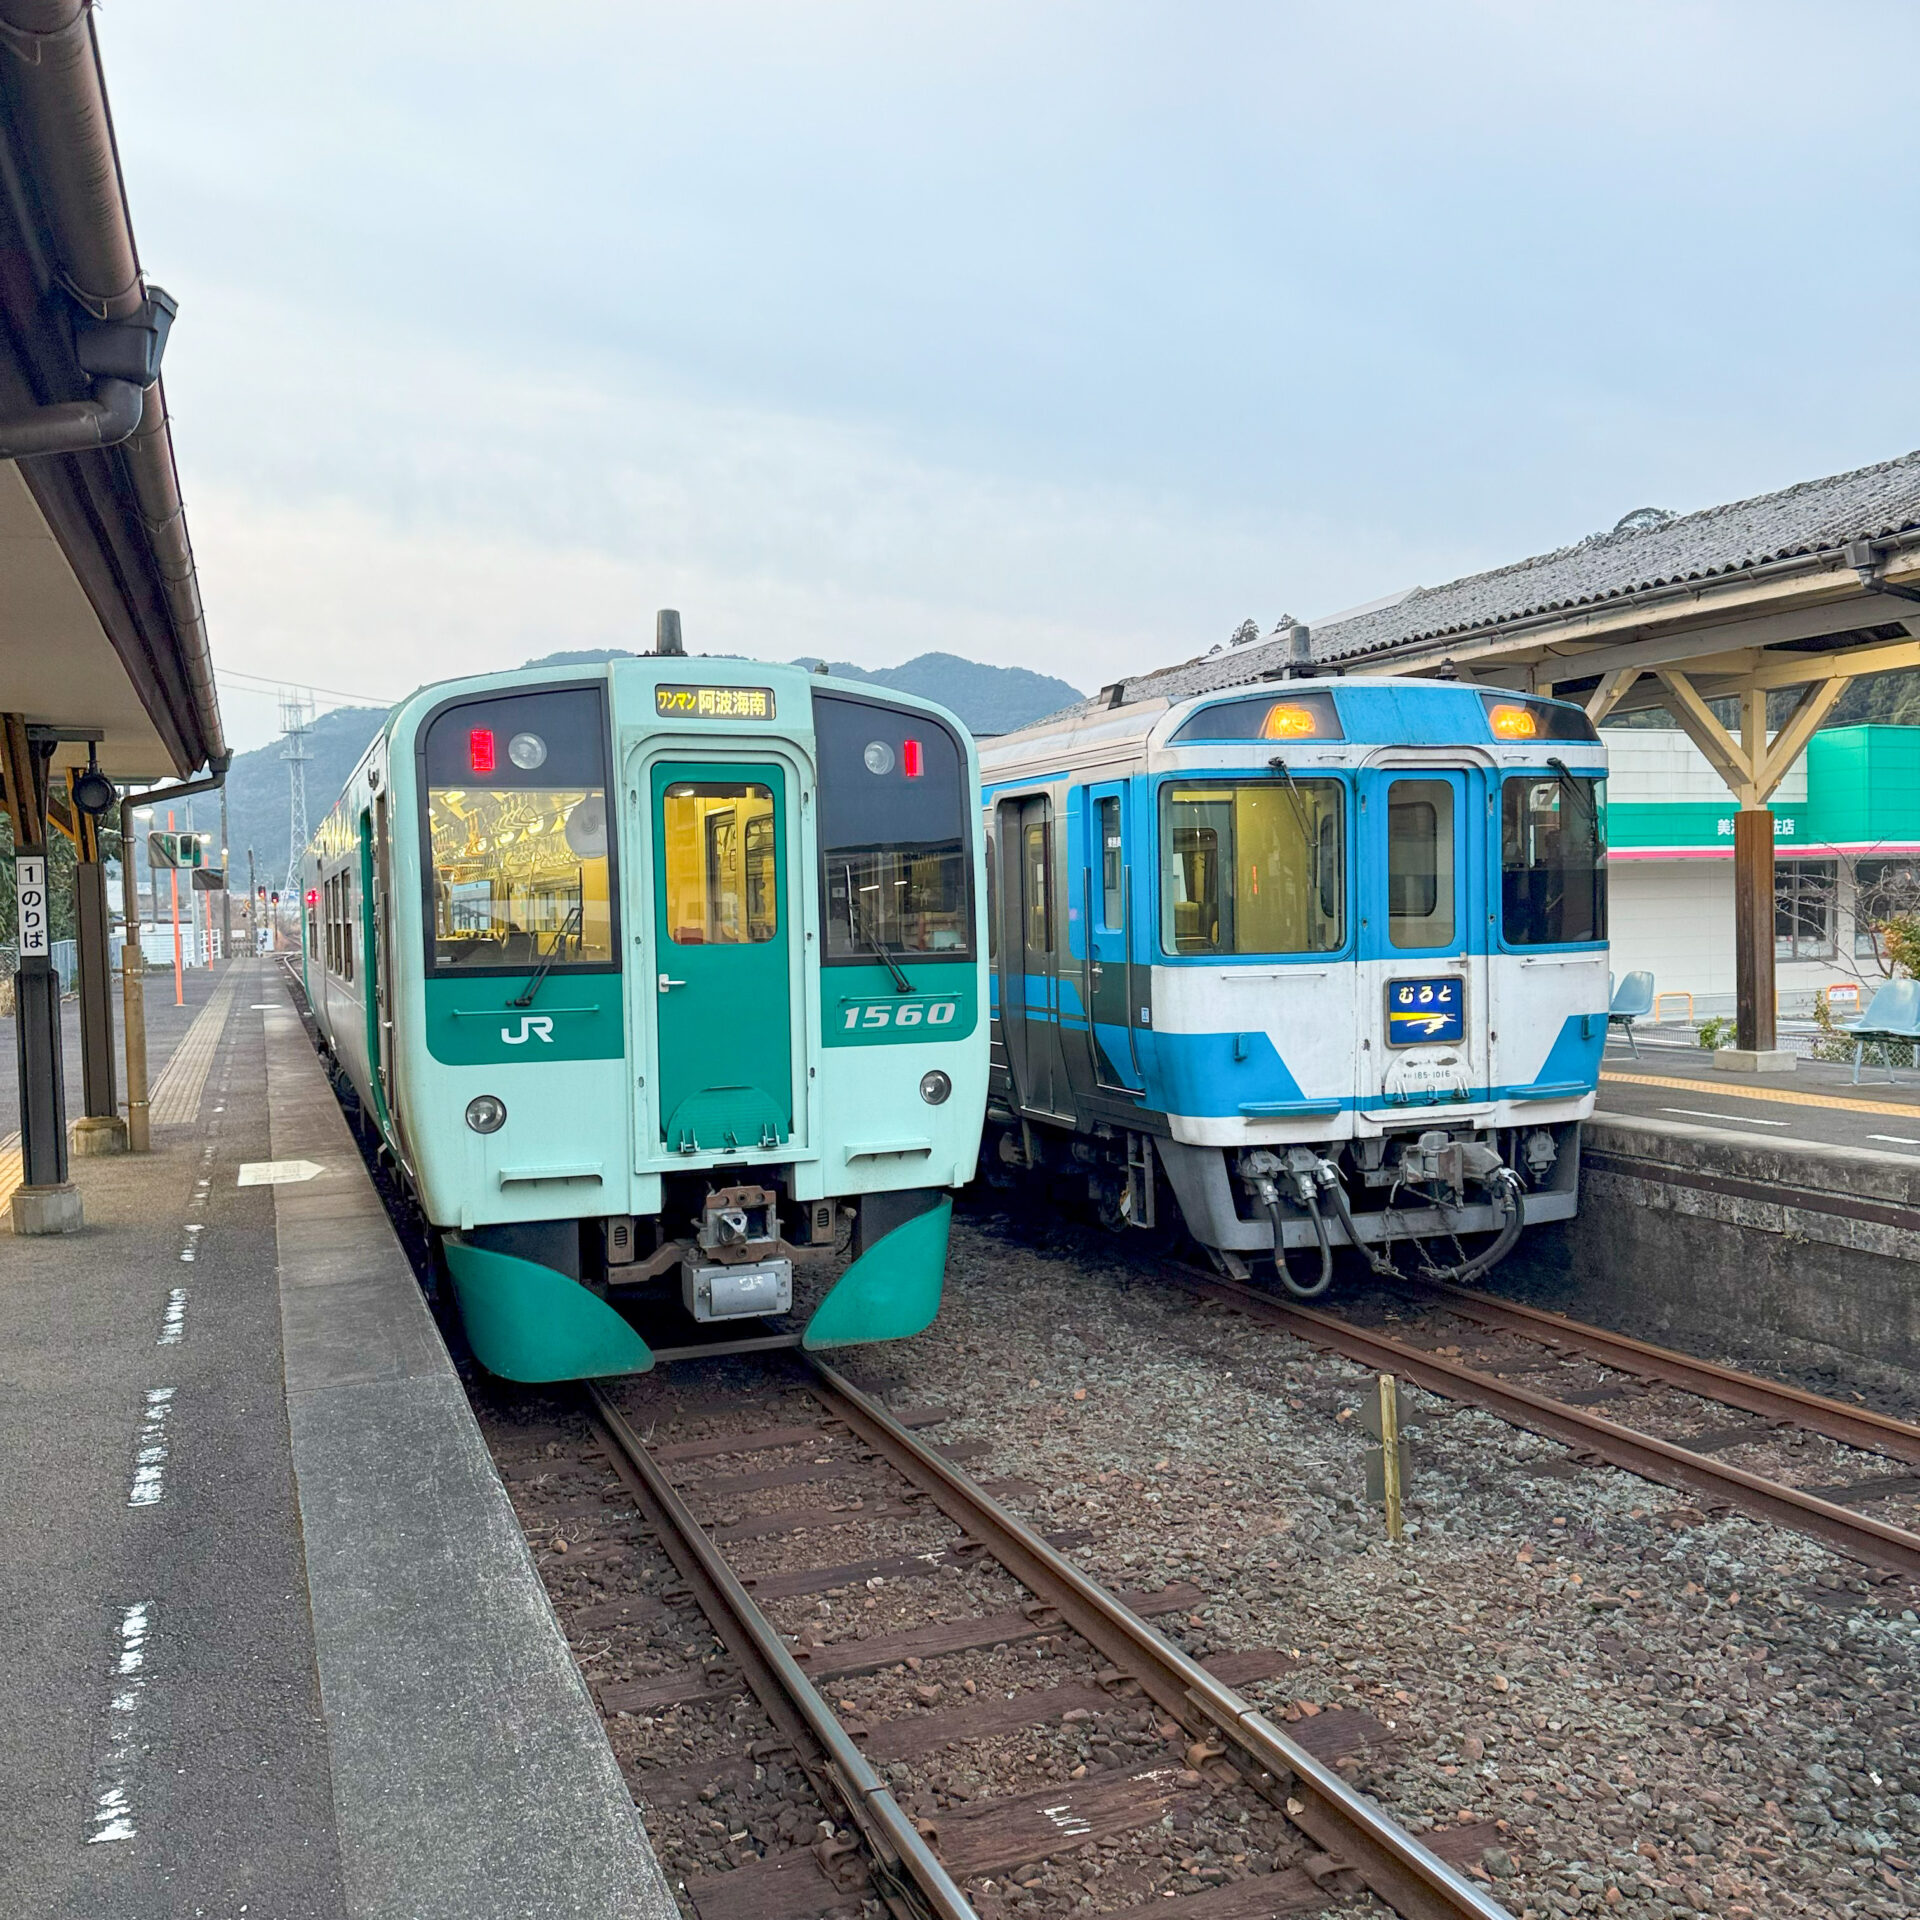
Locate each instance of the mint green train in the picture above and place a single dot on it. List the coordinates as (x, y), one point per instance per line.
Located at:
(662, 985)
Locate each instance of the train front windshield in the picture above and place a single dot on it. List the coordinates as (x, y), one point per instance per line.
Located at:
(895, 817)
(1253, 866)
(1553, 860)
(516, 826)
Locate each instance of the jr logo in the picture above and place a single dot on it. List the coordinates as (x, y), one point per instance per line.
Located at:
(533, 1026)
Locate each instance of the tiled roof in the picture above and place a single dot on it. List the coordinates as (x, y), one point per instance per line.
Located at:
(1817, 516)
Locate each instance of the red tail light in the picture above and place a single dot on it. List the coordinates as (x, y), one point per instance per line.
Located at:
(913, 760)
(313, 896)
(480, 749)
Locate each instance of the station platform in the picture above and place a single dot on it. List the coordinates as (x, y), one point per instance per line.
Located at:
(275, 1643)
(1818, 1102)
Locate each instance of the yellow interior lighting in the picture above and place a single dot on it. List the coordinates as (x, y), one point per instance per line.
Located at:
(1513, 723)
(1284, 722)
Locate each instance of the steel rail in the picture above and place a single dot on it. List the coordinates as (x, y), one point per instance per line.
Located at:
(772, 1671)
(1854, 1426)
(1410, 1878)
(1865, 1539)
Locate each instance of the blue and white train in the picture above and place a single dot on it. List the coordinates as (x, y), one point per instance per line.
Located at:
(1324, 960)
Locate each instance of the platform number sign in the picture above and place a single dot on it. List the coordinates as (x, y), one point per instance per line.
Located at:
(30, 891)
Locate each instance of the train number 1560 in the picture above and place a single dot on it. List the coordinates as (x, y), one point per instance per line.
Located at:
(900, 1013)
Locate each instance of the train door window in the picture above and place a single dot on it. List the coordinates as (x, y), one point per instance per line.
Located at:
(1420, 865)
(1036, 879)
(313, 932)
(993, 902)
(1107, 825)
(719, 867)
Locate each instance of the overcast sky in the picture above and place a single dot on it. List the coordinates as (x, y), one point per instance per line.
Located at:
(1064, 336)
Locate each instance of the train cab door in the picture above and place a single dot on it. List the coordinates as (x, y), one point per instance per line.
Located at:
(722, 997)
(1424, 917)
(1029, 964)
(1106, 923)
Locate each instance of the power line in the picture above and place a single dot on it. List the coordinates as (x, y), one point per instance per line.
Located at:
(278, 687)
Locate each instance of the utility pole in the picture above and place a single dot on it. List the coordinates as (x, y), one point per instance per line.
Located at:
(253, 912)
(226, 890)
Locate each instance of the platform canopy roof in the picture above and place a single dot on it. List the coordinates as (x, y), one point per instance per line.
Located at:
(102, 636)
(1808, 587)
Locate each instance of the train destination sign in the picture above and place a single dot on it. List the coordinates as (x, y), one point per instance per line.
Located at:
(713, 703)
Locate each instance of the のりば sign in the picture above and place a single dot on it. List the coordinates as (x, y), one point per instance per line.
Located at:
(30, 890)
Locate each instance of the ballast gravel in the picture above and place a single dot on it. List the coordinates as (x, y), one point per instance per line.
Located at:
(1666, 1712)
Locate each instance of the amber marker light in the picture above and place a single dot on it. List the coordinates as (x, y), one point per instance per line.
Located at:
(1512, 723)
(1284, 722)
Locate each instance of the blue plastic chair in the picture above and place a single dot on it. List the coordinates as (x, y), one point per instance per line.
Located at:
(1894, 1016)
(1632, 1000)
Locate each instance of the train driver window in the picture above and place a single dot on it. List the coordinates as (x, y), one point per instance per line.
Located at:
(1254, 866)
(895, 823)
(722, 869)
(517, 834)
(1553, 860)
(1420, 880)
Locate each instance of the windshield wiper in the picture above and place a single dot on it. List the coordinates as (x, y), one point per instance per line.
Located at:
(525, 996)
(1309, 838)
(857, 913)
(1565, 775)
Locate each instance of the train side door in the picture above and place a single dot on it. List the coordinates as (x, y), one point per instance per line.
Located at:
(721, 955)
(1424, 962)
(382, 982)
(1106, 903)
(1029, 968)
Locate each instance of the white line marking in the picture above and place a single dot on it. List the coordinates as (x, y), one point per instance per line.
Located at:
(112, 1816)
(150, 1461)
(277, 1173)
(174, 1325)
(1738, 1119)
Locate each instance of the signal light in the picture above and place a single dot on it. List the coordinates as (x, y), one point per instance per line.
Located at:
(913, 759)
(1285, 721)
(480, 749)
(313, 896)
(1512, 723)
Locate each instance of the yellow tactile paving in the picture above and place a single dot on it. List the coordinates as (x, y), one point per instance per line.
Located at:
(1785, 1096)
(11, 1171)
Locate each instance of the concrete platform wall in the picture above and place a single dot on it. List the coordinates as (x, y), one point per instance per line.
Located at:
(1689, 1234)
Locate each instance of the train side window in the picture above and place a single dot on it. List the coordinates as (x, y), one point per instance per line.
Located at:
(1107, 824)
(721, 870)
(1254, 866)
(1420, 881)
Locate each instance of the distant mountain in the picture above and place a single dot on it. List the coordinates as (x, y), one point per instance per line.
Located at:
(257, 791)
(988, 699)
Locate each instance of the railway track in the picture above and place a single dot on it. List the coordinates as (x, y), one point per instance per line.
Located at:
(1512, 1343)
(1192, 1741)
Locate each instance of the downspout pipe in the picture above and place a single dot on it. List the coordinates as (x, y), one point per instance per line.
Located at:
(55, 98)
(133, 959)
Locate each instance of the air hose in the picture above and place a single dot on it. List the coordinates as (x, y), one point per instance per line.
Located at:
(1293, 1286)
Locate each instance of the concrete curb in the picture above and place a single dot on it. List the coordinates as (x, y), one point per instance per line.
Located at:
(472, 1776)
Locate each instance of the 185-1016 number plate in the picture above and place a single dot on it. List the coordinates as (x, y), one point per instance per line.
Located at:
(1426, 1012)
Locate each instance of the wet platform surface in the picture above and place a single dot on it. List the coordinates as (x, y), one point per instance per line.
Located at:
(274, 1642)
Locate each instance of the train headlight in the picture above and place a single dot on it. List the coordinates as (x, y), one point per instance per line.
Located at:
(934, 1087)
(486, 1113)
(527, 751)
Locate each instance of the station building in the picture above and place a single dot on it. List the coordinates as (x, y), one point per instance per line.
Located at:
(1847, 855)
